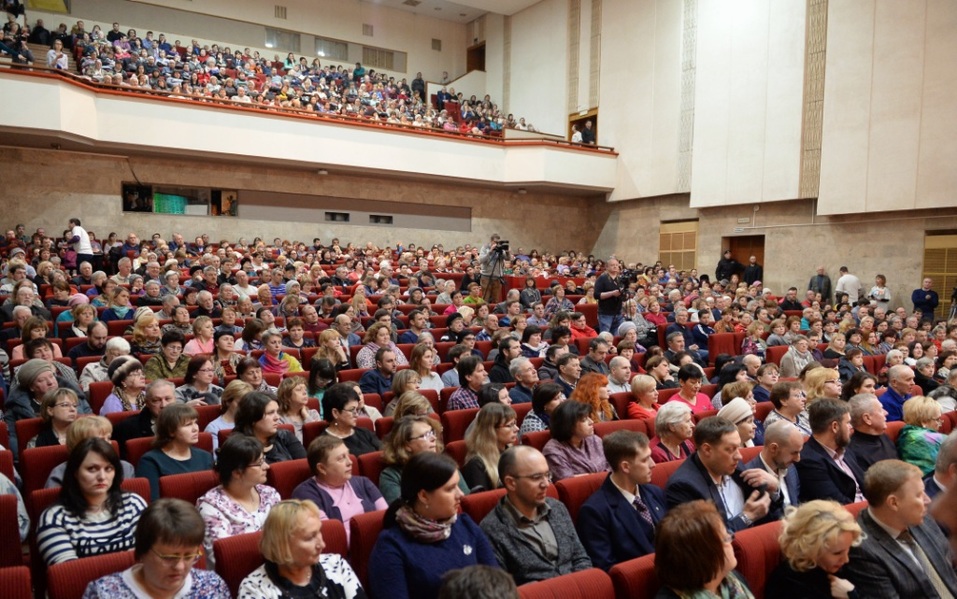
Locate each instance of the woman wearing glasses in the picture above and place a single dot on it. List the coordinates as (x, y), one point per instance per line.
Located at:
(333, 488)
(340, 403)
(242, 500)
(411, 436)
(198, 388)
(495, 431)
(169, 540)
(58, 410)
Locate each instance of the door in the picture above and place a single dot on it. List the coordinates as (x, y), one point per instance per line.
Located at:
(742, 248)
(475, 58)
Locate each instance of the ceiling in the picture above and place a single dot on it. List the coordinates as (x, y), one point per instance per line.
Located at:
(462, 11)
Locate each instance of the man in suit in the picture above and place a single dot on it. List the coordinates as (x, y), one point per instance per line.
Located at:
(944, 475)
(617, 523)
(821, 283)
(869, 444)
(828, 469)
(532, 534)
(743, 497)
(782, 449)
(903, 554)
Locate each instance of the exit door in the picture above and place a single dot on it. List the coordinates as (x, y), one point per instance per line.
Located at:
(742, 248)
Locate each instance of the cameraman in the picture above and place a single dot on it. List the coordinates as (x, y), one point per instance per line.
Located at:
(609, 295)
(492, 261)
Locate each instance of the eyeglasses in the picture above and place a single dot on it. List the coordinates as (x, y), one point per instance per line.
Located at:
(258, 464)
(428, 436)
(352, 411)
(535, 478)
(174, 560)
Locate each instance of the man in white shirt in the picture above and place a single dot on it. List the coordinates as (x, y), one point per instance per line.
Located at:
(81, 242)
(849, 284)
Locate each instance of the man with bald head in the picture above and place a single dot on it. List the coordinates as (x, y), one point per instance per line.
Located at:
(532, 534)
(783, 443)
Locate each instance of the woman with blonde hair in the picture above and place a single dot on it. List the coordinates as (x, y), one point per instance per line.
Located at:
(295, 565)
(402, 382)
(495, 430)
(920, 439)
(822, 382)
(293, 404)
(815, 541)
(412, 434)
(422, 362)
(58, 410)
(412, 403)
(86, 428)
(202, 341)
(229, 404)
(378, 335)
(330, 348)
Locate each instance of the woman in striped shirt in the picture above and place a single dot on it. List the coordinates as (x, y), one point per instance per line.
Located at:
(92, 515)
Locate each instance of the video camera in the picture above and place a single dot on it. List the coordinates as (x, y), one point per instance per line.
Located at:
(502, 246)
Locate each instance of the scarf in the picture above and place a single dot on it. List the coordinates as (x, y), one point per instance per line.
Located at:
(732, 587)
(271, 364)
(137, 403)
(121, 311)
(543, 417)
(422, 529)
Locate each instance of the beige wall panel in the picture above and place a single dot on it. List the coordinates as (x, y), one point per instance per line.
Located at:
(539, 71)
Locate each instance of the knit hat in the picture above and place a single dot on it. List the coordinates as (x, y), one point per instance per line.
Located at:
(121, 367)
(289, 285)
(625, 327)
(28, 373)
(736, 410)
(452, 318)
(77, 298)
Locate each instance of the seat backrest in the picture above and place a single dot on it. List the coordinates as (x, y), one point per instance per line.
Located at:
(27, 428)
(665, 394)
(6, 464)
(444, 395)
(457, 450)
(37, 463)
(762, 409)
(894, 430)
(188, 486)
(311, 430)
(371, 466)
(478, 505)
(456, 422)
(749, 453)
(99, 391)
(4, 435)
(759, 553)
(521, 410)
(538, 439)
(15, 582)
(11, 552)
(207, 414)
(635, 578)
(591, 584)
(620, 401)
(137, 448)
(364, 532)
(775, 353)
(68, 580)
(603, 429)
(236, 558)
(383, 426)
(286, 476)
(575, 490)
(663, 471)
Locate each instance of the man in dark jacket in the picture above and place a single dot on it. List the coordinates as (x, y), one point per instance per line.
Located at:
(508, 349)
(159, 394)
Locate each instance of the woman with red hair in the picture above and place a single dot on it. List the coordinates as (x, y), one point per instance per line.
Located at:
(592, 390)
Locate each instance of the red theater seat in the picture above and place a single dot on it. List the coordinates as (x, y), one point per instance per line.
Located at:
(586, 584)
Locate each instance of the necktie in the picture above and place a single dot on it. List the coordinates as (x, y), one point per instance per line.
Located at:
(935, 579)
(643, 512)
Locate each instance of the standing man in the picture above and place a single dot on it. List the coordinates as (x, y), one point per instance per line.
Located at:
(849, 284)
(81, 242)
(925, 299)
(727, 266)
(588, 134)
(821, 283)
(608, 293)
(492, 259)
(753, 271)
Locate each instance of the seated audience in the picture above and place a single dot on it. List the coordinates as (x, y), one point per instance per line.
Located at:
(900, 379)
(170, 362)
(198, 388)
(739, 413)
(743, 497)
(168, 543)
(903, 552)
(338, 493)
(295, 565)
(789, 400)
(689, 386)
(869, 444)
(58, 410)
(674, 432)
(273, 358)
(782, 449)
(229, 405)
(574, 448)
(258, 416)
(378, 336)
(86, 428)
(815, 541)
(340, 404)
(129, 386)
(424, 535)
(249, 370)
(643, 403)
(495, 430)
(174, 450)
(241, 501)
(944, 475)
(32, 381)
(693, 555)
(478, 582)
(293, 404)
(472, 376)
(378, 379)
(919, 441)
(92, 515)
(99, 371)
(546, 397)
(526, 378)
(617, 523)
(532, 534)
(592, 390)
(828, 468)
(797, 357)
(411, 435)
(202, 341)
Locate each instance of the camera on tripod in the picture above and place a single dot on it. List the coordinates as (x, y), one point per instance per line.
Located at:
(502, 246)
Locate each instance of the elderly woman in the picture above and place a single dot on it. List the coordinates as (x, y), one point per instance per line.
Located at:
(739, 413)
(92, 514)
(494, 431)
(924, 375)
(659, 369)
(168, 542)
(796, 358)
(295, 564)
(250, 371)
(574, 447)
(920, 439)
(180, 322)
(410, 436)
(815, 541)
(674, 428)
(229, 404)
(545, 398)
(378, 335)
(293, 404)
(789, 402)
(643, 403)
(822, 382)
(147, 338)
(242, 500)
(592, 390)
(693, 555)
(170, 362)
(198, 388)
(174, 451)
(129, 386)
(423, 534)
(339, 405)
(258, 417)
(338, 493)
(273, 358)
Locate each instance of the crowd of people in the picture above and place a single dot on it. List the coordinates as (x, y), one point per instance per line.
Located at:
(338, 325)
(216, 73)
